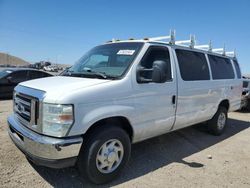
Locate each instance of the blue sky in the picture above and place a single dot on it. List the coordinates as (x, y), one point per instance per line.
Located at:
(63, 31)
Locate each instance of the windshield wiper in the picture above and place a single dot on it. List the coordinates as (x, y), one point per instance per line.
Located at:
(91, 74)
(100, 74)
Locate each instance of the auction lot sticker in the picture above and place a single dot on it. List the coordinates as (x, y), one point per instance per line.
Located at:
(125, 52)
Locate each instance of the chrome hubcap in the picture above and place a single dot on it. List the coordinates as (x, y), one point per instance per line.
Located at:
(109, 156)
(221, 121)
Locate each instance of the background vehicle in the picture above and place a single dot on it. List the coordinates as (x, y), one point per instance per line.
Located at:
(121, 93)
(9, 78)
(245, 99)
(51, 68)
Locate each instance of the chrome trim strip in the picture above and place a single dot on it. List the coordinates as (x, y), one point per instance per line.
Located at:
(33, 112)
(30, 91)
(24, 112)
(17, 99)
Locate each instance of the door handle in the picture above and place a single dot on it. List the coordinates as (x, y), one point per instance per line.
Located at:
(173, 99)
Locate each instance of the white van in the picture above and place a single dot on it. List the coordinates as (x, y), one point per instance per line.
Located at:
(117, 94)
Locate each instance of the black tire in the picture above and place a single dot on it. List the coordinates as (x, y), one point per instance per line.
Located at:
(87, 160)
(248, 105)
(214, 126)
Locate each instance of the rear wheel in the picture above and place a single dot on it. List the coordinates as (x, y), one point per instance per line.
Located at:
(106, 152)
(218, 123)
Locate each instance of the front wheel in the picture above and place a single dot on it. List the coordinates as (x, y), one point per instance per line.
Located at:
(218, 123)
(106, 152)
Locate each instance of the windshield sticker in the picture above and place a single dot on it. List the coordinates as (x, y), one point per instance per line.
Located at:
(125, 52)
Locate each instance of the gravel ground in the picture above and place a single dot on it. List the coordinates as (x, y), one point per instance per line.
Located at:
(186, 158)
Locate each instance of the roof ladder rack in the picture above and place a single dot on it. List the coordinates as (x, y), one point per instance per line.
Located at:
(191, 42)
(231, 54)
(220, 50)
(170, 37)
(205, 46)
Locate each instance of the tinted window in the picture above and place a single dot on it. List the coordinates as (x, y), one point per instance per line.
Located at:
(193, 65)
(19, 76)
(221, 67)
(37, 74)
(155, 54)
(46, 74)
(237, 68)
(245, 84)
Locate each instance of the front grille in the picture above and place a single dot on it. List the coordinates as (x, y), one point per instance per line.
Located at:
(26, 109)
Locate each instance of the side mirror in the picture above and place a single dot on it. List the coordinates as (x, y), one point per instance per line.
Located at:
(159, 74)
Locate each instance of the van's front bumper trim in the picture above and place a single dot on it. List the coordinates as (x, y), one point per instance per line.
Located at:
(44, 150)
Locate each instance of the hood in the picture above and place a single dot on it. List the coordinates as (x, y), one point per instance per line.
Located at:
(57, 85)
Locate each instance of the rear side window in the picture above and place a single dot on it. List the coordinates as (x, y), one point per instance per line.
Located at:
(46, 74)
(35, 74)
(237, 68)
(38, 74)
(221, 67)
(245, 84)
(193, 65)
(19, 76)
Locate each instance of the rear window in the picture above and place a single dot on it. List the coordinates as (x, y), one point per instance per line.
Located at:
(221, 67)
(193, 65)
(237, 68)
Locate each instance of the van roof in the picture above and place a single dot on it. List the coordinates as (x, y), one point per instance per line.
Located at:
(189, 44)
(172, 45)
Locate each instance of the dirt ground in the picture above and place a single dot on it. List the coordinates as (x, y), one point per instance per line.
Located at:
(186, 158)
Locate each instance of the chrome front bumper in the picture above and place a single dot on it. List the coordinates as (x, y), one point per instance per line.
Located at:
(44, 150)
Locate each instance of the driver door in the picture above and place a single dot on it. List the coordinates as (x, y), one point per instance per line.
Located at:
(155, 102)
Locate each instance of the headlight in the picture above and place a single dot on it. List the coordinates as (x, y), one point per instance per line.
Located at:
(57, 119)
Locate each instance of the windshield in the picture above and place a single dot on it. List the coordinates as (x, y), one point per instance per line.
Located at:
(106, 61)
(4, 73)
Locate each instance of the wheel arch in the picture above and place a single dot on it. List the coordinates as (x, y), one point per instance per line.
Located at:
(225, 103)
(120, 121)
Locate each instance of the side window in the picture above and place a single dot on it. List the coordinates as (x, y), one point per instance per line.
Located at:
(155, 54)
(37, 74)
(34, 74)
(237, 68)
(19, 76)
(44, 74)
(221, 67)
(245, 84)
(193, 65)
